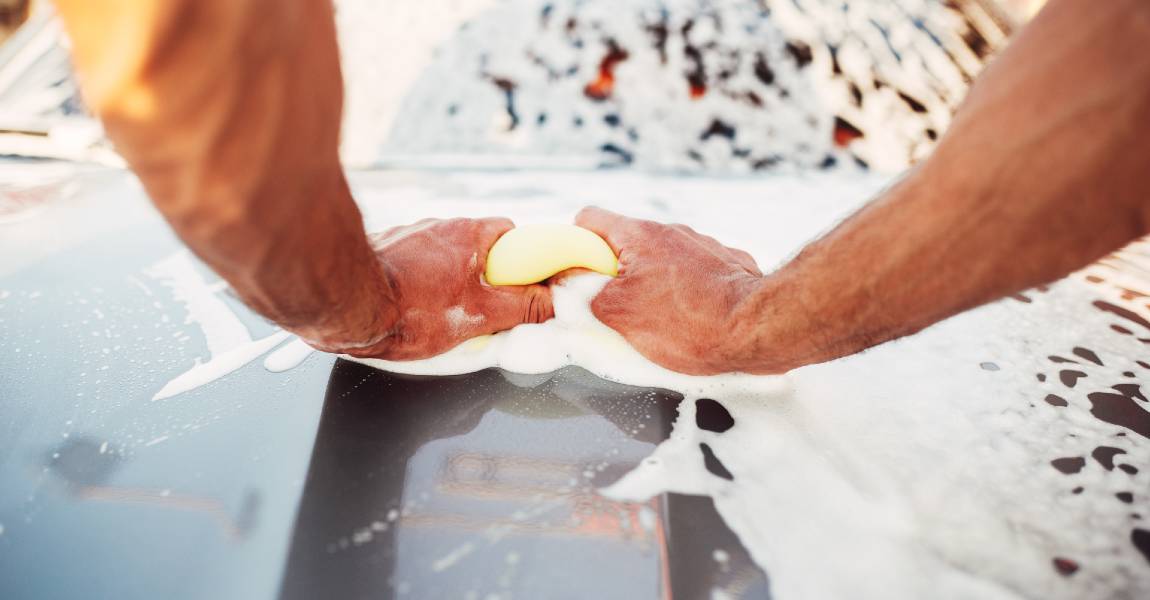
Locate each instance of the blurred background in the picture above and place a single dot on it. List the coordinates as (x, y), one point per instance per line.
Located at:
(725, 86)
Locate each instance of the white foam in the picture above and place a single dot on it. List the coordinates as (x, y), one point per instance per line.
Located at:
(220, 365)
(573, 337)
(896, 473)
(230, 344)
(907, 471)
(447, 101)
(222, 329)
(870, 540)
(458, 319)
(288, 356)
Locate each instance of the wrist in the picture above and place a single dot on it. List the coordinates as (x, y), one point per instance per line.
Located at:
(823, 304)
(750, 339)
(366, 318)
(775, 329)
(355, 300)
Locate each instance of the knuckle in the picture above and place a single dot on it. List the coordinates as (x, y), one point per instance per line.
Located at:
(498, 222)
(589, 215)
(493, 226)
(648, 228)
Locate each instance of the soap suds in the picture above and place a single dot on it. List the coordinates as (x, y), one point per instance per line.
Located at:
(903, 469)
(220, 365)
(288, 356)
(574, 336)
(222, 329)
(748, 86)
(458, 320)
(907, 471)
(230, 345)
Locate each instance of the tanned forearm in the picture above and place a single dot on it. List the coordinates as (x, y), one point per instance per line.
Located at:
(229, 113)
(1044, 170)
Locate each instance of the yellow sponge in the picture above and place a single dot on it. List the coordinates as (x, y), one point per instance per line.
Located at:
(532, 253)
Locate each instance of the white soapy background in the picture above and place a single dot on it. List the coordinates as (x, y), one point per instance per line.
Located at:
(778, 77)
(506, 78)
(918, 468)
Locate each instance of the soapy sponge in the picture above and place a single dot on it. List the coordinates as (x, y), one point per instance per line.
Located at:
(532, 253)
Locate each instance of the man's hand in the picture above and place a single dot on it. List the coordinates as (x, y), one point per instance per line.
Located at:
(435, 271)
(676, 293)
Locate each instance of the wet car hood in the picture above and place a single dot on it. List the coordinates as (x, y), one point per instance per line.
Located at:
(1005, 446)
(330, 480)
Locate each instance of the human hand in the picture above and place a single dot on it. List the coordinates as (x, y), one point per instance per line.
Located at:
(676, 294)
(434, 269)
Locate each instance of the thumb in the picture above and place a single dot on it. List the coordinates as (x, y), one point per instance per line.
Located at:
(508, 306)
(606, 224)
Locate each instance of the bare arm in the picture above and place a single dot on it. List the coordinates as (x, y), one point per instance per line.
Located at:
(1043, 171)
(229, 112)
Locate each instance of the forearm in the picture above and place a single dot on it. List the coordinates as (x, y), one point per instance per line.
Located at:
(1042, 172)
(229, 113)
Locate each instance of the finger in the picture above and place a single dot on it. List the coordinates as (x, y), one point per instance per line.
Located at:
(606, 224)
(489, 232)
(702, 238)
(491, 228)
(505, 307)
